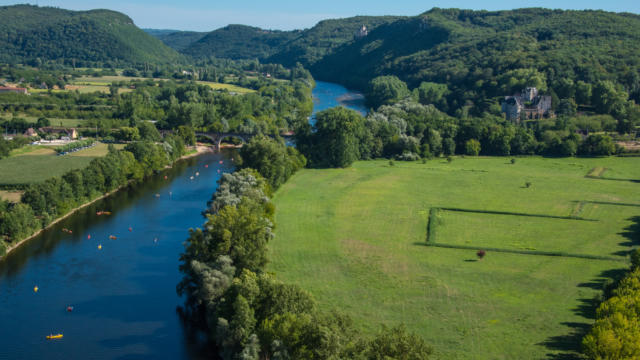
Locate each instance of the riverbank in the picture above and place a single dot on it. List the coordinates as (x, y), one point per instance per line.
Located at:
(199, 150)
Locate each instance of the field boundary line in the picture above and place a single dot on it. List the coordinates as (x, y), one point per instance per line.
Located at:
(492, 212)
(526, 252)
(606, 203)
(432, 222)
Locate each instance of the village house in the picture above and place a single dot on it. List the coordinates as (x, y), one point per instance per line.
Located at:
(6, 89)
(527, 105)
(30, 132)
(71, 133)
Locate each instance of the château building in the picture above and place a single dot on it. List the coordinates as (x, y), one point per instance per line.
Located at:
(527, 105)
(362, 32)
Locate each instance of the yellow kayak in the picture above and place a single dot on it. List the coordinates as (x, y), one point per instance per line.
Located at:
(56, 336)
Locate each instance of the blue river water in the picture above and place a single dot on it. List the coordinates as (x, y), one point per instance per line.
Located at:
(123, 293)
(327, 95)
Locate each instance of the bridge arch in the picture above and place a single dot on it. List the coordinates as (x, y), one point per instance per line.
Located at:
(243, 138)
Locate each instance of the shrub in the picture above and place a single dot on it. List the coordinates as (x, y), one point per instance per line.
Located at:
(408, 156)
(481, 254)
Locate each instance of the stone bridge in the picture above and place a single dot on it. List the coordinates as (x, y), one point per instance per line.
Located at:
(217, 138)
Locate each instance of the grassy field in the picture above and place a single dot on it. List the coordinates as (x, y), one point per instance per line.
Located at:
(228, 87)
(355, 238)
(100, 149)
(32, 164)
(101, 84)
(10, 196)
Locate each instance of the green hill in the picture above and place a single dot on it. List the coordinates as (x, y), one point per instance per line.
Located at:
(476, 50)
(31, 32)
(176, 39)
(283, 47)
(479, 55)
(313, 44)
(239, 42)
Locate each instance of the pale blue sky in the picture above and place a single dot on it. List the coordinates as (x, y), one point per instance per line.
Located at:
(202, 15)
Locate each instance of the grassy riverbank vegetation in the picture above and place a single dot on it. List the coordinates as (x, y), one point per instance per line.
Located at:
(356, 239)
(246, 311)
(408, 130)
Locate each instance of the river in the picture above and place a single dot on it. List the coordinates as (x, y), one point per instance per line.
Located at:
(123, 294)
(327, 95)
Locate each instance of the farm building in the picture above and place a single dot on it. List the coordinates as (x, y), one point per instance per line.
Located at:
(7, 89)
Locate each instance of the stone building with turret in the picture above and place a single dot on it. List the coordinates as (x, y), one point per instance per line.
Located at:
(527, 105)
(362, 32)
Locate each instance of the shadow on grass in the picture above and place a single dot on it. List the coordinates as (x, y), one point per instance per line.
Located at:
(569, 345)
(632, 233)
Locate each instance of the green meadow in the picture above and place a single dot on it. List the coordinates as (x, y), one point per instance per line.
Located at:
(32, 164)
(356, 238)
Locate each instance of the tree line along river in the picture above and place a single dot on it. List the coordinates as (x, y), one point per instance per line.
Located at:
(121, 292)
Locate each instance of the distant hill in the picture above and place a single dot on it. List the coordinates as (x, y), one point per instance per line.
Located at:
(476, 53)
(283, 47)
(176, 39)
(473, 50)
(31, 32)
(239, 42)
(313, 44)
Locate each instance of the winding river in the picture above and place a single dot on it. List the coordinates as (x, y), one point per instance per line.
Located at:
(122, 290)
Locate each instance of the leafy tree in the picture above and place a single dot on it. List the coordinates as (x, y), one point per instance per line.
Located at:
(148, 131)
(448, 146)
(42, 122)
(187, 134)
(598, 145)
(567, 107)
(472, 147)
(336, 139)
(433, 93)
(18, 222)
(395, 343)
(128, 134)
(386, 90)
(608, 99)
(584, 92)
(272, 159)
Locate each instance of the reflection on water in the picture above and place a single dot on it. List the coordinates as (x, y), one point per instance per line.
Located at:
(123, 295)
(327, 95)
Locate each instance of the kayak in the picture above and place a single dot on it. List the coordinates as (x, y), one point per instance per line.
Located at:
(56, 336)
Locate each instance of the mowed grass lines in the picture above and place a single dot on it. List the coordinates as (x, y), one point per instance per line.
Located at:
(535, 234)
(355, 239)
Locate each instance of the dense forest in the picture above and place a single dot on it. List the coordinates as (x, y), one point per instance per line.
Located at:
(239, 42)
(37, 34)
(175, 39)
(476, 56)
(481, 55)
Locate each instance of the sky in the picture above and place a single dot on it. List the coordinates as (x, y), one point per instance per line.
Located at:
(203, 15)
